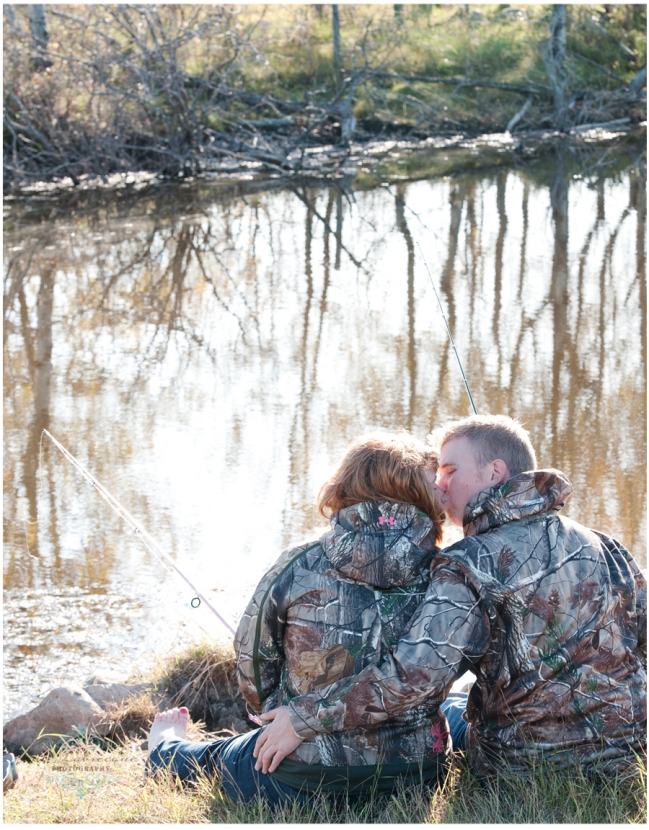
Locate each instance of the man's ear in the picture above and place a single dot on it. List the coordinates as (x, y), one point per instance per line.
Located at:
(499, 472)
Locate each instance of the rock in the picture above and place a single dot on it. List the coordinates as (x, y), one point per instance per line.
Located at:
(513, 14)
(66, 712)
(103, 679)
(106, 693)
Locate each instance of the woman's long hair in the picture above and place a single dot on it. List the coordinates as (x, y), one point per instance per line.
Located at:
(384, 466)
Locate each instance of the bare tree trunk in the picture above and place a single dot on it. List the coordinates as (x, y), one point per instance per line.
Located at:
(639, 81)
(519, 115)
(39, 34)
(336, 31)
(554, 58)
(11, 18)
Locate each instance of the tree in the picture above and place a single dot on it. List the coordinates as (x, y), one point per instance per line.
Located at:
(554, 57)
(38, 29)
(336, 32)
(639, 81)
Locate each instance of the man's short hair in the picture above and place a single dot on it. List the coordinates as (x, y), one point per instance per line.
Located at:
(492, 436)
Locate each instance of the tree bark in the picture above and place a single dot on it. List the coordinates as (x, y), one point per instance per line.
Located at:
(335, 15)
(11, 18)
(38, 28)
(519, 115)
(639, 81)
(554, 58)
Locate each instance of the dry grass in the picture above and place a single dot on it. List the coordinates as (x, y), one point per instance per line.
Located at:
(104, 782)
(202, 678)
(136, 105)
(86, 784)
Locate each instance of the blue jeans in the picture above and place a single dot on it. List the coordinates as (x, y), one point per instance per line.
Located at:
(231, 759)
(454, 707)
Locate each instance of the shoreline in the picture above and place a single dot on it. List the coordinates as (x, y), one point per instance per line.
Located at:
(362, 164)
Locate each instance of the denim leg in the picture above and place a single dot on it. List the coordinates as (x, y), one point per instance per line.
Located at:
(454, 707)
(186, 759)
(232, 759)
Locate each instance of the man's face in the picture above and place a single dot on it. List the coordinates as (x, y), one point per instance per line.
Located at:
(460, 477)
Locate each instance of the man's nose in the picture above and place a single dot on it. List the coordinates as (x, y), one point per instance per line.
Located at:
(442, 483)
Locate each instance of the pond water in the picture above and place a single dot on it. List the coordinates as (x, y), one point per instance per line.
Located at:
(209, 354)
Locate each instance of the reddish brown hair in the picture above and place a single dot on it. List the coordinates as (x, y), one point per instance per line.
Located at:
(383, 466)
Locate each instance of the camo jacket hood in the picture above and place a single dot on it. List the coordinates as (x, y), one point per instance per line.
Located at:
(379, 543)
(524, 496)
(549, 615)
(326, 610)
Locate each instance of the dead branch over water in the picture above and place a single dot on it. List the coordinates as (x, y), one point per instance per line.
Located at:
(178, 90)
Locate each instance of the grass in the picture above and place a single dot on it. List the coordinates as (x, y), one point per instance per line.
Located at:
(103, 781)
(291, 54)
(87, 784)
(141, 102)
(442, 41)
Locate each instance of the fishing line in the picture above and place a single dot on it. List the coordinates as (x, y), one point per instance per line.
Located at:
(149, 542)
(448, 329)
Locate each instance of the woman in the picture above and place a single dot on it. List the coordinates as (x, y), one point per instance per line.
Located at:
(323, 612)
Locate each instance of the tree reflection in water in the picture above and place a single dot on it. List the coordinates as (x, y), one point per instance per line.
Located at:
(209, 357)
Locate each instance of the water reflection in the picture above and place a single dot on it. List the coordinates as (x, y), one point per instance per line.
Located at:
(209, 365)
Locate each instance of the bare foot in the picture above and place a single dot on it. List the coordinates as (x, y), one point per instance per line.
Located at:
(168, 725)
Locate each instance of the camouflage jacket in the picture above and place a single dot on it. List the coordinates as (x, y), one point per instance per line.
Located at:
(549, 615)
(326, 610)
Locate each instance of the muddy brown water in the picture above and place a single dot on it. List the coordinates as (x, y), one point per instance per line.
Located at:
(208, 357)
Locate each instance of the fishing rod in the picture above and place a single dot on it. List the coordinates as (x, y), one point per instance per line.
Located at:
(146, 537)
(448, 329)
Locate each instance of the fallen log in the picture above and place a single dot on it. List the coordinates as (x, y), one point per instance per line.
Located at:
(464, 82)
(603, 125)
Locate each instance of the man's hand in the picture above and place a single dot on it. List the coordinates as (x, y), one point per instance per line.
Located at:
(276, 741)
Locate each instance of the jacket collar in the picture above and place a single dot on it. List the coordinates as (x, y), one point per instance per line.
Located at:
(525, 495)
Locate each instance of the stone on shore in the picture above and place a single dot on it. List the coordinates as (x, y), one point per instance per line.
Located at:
(66, 712)
(105, 690)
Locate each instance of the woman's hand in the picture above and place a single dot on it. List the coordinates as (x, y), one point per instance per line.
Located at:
(276, 741)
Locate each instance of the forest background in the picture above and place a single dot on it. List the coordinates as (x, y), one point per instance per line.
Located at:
(95, 90)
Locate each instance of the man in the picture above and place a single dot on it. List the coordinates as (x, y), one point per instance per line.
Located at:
(549, 615)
